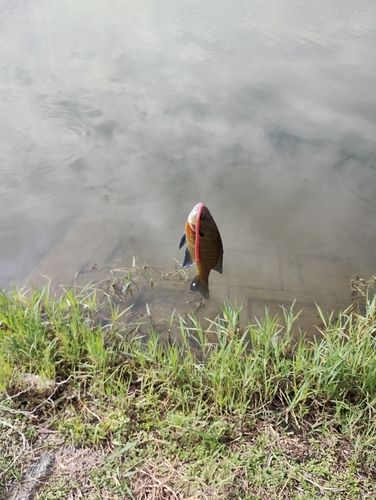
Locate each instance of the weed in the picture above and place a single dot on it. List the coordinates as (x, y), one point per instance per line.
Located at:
(226, 412)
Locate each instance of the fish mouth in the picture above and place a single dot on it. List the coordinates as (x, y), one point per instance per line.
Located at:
(192, 217)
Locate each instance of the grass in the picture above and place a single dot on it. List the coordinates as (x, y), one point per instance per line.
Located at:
(230, 412)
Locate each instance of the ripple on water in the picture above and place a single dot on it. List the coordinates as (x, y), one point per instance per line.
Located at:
(60, 137)
(28, 160)
(57, 140)
(51, 141)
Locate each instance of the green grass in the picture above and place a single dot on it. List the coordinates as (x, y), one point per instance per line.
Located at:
(231, 412)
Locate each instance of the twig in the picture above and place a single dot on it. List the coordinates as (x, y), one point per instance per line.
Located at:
(18, 412)
(9, 398)
(91, 411)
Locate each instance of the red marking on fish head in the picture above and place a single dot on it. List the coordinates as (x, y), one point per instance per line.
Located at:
(197, 229)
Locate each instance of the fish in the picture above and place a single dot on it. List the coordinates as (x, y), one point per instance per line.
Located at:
(204, 247)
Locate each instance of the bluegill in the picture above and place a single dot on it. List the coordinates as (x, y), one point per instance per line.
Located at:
(204, 247)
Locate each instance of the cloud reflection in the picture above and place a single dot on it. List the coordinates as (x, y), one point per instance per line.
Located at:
(265, 113)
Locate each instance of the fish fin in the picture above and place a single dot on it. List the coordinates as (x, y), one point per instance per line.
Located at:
(188, 261)
(183, 241)
(201, 286)
(219, 266)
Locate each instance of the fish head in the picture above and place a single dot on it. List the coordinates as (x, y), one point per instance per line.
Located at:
(195, 215)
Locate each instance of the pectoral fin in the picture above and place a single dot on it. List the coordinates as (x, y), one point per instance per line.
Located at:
(183, 241)
(188, 261)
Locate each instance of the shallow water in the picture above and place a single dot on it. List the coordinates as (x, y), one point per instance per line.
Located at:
(117, 118)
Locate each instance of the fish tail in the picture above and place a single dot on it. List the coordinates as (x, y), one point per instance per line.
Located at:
(200, 285)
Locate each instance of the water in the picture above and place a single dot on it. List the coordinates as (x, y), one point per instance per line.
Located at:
(117, 117)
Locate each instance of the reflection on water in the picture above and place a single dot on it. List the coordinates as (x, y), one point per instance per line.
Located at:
(116, 119)
(53, 140)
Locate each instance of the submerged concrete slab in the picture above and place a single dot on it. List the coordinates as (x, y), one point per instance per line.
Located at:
(76, 253)
(257, 277)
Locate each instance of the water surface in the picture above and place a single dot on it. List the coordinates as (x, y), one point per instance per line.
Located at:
(117, 117)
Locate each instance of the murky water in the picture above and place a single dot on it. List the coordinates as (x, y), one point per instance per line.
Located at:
(117, 117)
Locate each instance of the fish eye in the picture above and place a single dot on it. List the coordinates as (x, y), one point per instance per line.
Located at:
(201, 234)
(202, 216)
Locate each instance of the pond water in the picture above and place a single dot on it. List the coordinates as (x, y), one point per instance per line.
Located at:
(117, 117)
